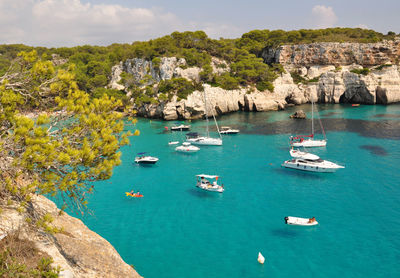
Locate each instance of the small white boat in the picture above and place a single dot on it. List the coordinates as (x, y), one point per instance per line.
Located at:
(260, 258)
(145, 159)
(205, 184)
(187, 148)
(173, 143)
(180, 127)
(228, 130)
(291, 220)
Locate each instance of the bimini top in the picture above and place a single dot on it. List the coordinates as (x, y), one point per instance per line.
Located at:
(141, 153)
(207, 176)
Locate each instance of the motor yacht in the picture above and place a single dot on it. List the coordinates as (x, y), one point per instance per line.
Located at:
(310, 162)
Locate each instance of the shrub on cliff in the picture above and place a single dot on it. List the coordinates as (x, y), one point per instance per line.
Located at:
(363, 71)
(59, 155)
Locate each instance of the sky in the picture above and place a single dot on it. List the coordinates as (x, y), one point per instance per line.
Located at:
(57, 23)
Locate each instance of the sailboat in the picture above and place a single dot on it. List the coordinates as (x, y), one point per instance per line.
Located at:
(308, 140)
(194, 137)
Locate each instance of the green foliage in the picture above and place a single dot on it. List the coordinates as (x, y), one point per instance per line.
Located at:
(383, 66)
(297, 78)
(63, 154)
(179, 86)
(363, 71)
(227, 82)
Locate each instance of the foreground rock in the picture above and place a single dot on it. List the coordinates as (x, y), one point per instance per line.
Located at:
(298, 115)
(79, 251)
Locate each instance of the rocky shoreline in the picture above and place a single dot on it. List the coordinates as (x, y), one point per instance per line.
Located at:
(329, 74)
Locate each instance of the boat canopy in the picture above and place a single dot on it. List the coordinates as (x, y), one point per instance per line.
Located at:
(225, 127)
(207, 176)
(141, 153)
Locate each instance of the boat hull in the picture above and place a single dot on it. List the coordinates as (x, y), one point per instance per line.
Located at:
(297, 221)
(310, 143)
(211, 188)
(180, 128)
(309, 168)
(205, 141)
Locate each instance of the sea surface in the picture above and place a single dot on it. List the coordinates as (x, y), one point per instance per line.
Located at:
(177, 230)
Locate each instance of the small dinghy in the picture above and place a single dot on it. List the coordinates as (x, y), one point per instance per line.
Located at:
(173, 143)
(261, 258)
(136, 195)
(187, 148)
(291, 220)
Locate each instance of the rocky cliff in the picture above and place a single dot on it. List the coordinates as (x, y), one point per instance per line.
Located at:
(330, 72)
(334, 53)
(79, 251)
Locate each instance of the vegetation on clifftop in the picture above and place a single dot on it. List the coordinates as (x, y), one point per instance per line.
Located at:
(92, 64)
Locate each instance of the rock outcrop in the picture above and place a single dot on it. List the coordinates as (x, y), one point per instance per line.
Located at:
(298, 115)
(329, 70)
(79, 251)
(334, 53)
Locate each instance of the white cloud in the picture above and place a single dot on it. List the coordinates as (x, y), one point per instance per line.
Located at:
(71, 22)
(323, 16)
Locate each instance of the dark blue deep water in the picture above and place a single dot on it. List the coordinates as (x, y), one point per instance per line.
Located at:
(177, 230)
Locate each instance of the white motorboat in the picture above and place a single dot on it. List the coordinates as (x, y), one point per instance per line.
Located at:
(312, 163)
(205, 184)
(187, 148)
(291, 220)
(228, 130)
(145, 159)
(308, 141)
(180, 127)
(173, 143)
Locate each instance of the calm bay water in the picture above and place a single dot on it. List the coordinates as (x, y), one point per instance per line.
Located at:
(177, 230)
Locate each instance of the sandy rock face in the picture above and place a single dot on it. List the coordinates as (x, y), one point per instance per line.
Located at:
(79, 251)
(333, 53)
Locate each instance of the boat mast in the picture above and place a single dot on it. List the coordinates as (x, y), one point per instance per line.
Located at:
(312, 117)
(205, 104)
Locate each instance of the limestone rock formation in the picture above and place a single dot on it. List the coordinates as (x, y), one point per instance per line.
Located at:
(334, 53)
(79, 251)
(298, 115)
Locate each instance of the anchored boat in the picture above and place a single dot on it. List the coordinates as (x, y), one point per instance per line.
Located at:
(310, 162)
(205, 184)
(145, 159)
(186, 147)
(291, 220)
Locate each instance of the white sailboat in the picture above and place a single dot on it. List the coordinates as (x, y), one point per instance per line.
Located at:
(195, 139)
(308, 140)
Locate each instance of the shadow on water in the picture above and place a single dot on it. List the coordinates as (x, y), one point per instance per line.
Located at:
(331, 114)
(298, 173)
(385, 129)
(285, 232)
(201, 193)
(374, 149)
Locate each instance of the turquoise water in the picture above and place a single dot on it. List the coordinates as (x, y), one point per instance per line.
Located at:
(177, 230)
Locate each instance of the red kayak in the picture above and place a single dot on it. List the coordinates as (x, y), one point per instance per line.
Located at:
(133, 195)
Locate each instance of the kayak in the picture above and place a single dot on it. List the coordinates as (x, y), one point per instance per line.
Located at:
(133, 195)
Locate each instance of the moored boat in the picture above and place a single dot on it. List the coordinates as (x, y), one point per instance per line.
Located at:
(145, 159)
(205, 184)
(228, 130)
(186, 147)
(180, 127)
(310, 162)
(291, 220)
